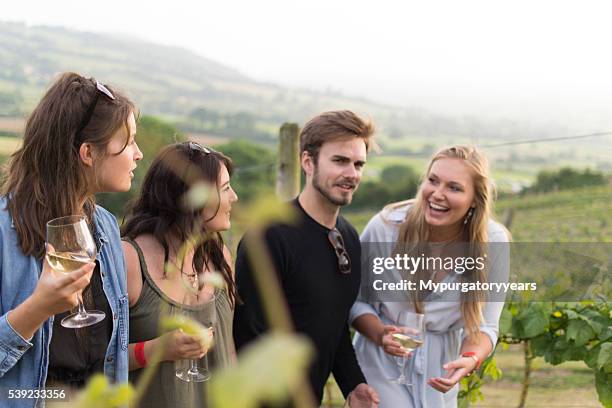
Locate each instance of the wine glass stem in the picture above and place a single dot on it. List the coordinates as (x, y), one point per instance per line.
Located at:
(193, 366)
(402, 374)
(81, 313)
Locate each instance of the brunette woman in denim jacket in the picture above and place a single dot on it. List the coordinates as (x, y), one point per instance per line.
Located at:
(78, 141)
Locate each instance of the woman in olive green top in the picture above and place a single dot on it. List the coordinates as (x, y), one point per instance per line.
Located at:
(157, 224)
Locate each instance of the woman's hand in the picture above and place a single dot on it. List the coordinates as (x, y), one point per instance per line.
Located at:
(389, 344)
(178, 346)
(456, 370)
(57, 292)
(52, 295)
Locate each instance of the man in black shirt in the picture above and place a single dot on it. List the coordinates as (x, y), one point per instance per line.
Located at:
(318, 259)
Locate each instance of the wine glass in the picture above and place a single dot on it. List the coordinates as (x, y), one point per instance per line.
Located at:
(70, 246)
(410, 336)
(205, 312)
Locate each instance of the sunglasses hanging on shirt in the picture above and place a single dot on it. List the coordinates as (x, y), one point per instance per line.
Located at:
(344, 262)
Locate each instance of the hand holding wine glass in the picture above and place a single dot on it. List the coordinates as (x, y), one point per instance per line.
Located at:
(70, 246)
(179, 346)
(409, 335)
(56, 294)
(389, 343)
(207, 309)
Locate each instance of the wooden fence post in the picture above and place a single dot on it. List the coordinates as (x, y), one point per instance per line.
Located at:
(508, 217)
(288, 181)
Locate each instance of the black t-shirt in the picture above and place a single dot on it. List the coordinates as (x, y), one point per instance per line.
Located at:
(77, 354)
(318, 295)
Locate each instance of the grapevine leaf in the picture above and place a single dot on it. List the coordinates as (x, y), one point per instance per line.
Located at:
(606, 335)
(592, 357)
(604, 360)
(534, 320)
(580, 332)
(541, 344)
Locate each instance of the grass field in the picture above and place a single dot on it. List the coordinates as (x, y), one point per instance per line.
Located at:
(582, 215)
(8, 145)
(566, 385)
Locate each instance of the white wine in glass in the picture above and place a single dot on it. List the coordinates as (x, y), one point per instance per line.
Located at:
(407, 342)
(70, 246)
(67, 262)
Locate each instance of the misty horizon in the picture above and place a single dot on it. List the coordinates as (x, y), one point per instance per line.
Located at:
(540, 63)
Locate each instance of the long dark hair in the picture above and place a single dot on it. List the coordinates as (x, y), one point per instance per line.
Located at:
(160, 209)
(45, 177)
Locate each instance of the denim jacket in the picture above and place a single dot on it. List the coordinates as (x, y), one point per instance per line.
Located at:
(23, 362)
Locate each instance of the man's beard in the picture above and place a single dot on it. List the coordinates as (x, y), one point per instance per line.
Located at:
(339, 202)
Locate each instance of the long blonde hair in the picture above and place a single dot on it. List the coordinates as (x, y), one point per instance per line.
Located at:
(414, 230)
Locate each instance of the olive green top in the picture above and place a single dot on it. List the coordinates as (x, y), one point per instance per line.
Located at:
(165, 389)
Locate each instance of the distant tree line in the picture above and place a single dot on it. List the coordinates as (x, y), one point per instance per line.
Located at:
(566, 178)
(152, 136)
(255, 170)
(397, 182)
(235, 124)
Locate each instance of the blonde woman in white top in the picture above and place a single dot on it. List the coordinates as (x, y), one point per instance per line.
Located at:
(453, 205)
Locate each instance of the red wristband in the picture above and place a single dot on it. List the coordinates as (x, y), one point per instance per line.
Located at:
(472, 355)
(139, 354)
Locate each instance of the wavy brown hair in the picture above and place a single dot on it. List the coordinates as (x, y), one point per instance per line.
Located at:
(45, 178)
(414, 231)
(160, 209)
(335, 125)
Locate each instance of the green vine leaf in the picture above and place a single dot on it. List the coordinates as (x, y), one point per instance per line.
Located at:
(533, 320)
(604, 360)
(580, 332)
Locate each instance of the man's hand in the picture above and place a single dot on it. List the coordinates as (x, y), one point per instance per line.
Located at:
(363, 396)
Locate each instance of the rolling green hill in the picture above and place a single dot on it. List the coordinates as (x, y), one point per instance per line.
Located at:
(165, 81)
(214, 102)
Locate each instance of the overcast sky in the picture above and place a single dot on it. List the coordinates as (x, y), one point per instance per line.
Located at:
(520, 59)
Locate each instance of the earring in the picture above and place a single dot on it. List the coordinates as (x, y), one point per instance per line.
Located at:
(468, 216)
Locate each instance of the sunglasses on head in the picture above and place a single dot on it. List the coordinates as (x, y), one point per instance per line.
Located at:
(197, 146)
(92, 106)
(344, 262)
